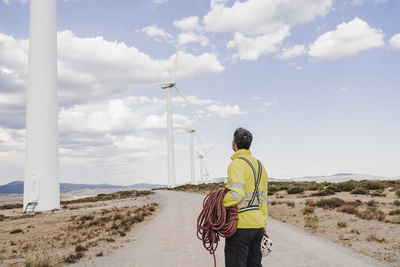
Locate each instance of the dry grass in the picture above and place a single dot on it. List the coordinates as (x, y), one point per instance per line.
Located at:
(366, 210)
(69, 234)
(39, 260)
(106, 197)
(200, 188)
(311, 221)
(309, 202)
(308, 210)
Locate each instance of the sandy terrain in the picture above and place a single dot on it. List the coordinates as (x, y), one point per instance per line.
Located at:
(76, 231)
(169, 239)
(379, 239)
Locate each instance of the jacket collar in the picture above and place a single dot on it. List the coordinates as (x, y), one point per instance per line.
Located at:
(240, 153)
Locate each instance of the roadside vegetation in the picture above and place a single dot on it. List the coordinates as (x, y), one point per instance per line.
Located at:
(67, 235)
(352, 213)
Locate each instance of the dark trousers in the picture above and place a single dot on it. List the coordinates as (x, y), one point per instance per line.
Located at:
(243, 248)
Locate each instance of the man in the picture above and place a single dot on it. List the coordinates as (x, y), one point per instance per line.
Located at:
(247, 184)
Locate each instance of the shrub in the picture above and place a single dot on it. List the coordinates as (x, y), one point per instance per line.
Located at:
(372, 185)
(309, 202)
(311, 221)
(330, 203)
(398, 193)
(42, 260)
(334, 188)
(295, 190)
(290, 204)
(79, 248)
(73, 257)
(371, 203)
(87, 218)
(349, 208)
(308, 210)
(359, 191)
(377, 194)
(394, 212)
(323, 192)
(346, 186)
(396, 203)
(16, 231)
(342, 224)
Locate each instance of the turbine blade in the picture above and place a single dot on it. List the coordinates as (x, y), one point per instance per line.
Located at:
(188, 103)
(175, 67)
(154, 85)
(201, 144)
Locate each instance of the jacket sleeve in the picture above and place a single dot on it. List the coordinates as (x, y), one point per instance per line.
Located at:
(264, 203)
(235, 184)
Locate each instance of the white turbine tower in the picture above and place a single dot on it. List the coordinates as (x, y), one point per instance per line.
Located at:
(201, 158)
(191, 152)
(41, 186)
(170, 127)
(203, 167)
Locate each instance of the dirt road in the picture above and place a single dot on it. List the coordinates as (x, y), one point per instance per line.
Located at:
(169, 239)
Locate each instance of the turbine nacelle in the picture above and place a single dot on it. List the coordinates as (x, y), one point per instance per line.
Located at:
(167, 85)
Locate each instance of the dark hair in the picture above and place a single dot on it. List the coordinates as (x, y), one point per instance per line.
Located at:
(242, 138)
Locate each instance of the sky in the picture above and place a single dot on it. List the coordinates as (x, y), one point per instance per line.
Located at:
(315, 81)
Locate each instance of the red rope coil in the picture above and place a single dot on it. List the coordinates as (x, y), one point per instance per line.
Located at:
(215, 220)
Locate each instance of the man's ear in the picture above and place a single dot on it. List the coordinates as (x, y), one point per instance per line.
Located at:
(234, 146)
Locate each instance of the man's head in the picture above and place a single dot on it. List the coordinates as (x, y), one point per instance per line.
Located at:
(241, 139)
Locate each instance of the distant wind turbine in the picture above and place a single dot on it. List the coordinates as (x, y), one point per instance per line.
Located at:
(170, 139)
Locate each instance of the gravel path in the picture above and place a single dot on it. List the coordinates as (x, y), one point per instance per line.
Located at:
(169, 239)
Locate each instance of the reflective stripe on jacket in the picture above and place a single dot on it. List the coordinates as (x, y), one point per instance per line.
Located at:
(241, 187)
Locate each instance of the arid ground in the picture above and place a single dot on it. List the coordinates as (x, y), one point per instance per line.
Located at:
(364, 216)
(92, 226)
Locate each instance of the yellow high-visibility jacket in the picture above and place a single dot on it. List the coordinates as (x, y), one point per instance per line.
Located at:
(241, 186)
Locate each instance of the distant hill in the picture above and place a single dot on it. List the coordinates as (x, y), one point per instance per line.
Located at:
(341, 177)
(146, 186)
(17, 187)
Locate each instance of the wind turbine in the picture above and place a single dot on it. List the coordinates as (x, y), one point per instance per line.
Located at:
(202, 161)
(191, 151)
(41, 182)
(170, 137)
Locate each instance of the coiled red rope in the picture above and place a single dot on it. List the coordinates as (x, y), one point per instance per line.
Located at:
(215, 220)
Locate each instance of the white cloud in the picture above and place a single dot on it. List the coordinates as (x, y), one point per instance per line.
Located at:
(192, 100)
(348, 39)
(360, 2)
(159, 1)
(91, 68)
(260, 26)
(19, 1)
(255, 98)
(395, 41)
(190, 65)
(188, 24)
(252, 48)
(292, 52)
(157, 122)
(259, 17)
(156, 32)
(265, 106)
(190, 37)
(226, 111)
(343, 89)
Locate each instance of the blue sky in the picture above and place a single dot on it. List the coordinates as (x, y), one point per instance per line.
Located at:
(317, 83)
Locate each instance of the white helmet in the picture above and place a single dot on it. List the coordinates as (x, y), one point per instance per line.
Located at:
(266, 245)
